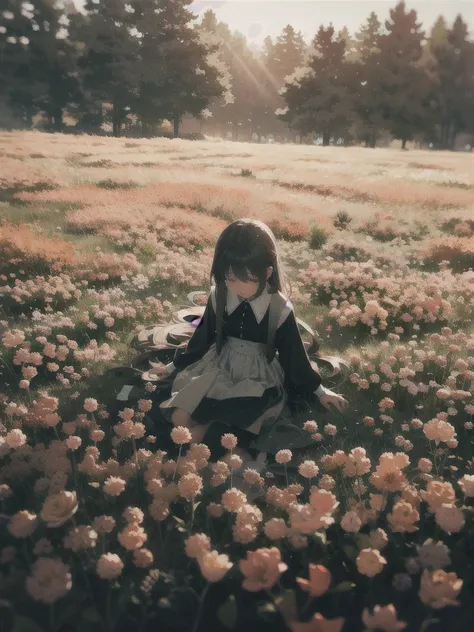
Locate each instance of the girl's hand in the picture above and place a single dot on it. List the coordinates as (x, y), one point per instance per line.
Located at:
(338, 401)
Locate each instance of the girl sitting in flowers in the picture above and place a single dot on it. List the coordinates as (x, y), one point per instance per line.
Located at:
(230, 371)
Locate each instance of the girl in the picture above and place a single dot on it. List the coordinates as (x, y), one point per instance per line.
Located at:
(230, 378)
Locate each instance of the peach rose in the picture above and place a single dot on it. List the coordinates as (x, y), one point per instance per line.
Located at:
(318, 582)
(383, 618)
(439, 589)
(370, 562)
(59, 508)
(262, 569)
(214, 566)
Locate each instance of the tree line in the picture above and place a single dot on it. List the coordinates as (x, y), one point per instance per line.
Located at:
(137, 63)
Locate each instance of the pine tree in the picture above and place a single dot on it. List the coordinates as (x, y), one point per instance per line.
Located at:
(447, 60)
(403, 83)
(216, 35)
(37, 68)
(175, 74)
(367, 76)
(344, 36)
(108, 48)
(462, 54)
(367, 39)
(318, 96)
(287, 54)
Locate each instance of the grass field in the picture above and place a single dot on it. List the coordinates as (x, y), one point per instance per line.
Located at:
(100, 237)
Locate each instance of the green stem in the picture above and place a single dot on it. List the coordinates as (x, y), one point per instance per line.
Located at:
(74, 469)
(51, 617)
(177, 462)
(201, 604)
(109, 607)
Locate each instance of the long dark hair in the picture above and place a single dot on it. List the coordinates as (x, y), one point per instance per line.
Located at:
(248, 246)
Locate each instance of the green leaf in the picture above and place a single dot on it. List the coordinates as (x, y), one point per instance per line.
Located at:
(64, 612)
(351, 552)
(321, 535)
(342, 587)
(286, 604)
(227, 613)
(91, 614)
(24, 624)
(427, 623)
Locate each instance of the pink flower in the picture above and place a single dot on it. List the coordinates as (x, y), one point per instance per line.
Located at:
(283, 456)
(109, 566)
(450, 518)
(114, 486)
(276, 529)
(80, 538)
(133, 515)
(197, 544)
(22, 524)
(181, 435)
(103, 524)
(466, 483)
(383, 618)
(351, 523)
(319, 580)
(229, 441)
(50, 579)
(403, 518)
(132, 537)
(370, 562)
(262, 569)
(308, 469)
(233, 499)
(439, 589)
(214, 566)
(142, 558)
(190, 485)
(73, 443)
(15, 439)
(91, 405)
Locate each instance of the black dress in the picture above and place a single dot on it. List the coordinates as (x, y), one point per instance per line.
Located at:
(293, 376)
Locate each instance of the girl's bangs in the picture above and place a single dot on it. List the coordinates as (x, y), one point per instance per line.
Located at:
(245, 270)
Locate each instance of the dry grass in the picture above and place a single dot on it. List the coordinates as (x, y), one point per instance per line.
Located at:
(458, 251)
(183, 193)
(29, 248)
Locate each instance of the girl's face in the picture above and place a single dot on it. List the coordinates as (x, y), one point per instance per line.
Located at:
(245, 289)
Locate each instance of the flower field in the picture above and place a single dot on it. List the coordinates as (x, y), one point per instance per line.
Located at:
(101, 529)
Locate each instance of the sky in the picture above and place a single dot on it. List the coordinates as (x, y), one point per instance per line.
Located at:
(258, 18)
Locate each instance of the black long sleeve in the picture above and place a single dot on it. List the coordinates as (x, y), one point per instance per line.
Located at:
(201, 340)
(299, 374)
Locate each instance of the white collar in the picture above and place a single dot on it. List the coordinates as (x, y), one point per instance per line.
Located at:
(259, 305)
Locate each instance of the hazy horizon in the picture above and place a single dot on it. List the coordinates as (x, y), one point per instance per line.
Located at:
(256, 19)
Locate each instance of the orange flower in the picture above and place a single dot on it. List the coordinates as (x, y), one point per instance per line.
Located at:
(318, 624)
(319, 580)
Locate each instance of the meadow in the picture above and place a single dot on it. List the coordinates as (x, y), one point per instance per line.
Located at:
(100, 528)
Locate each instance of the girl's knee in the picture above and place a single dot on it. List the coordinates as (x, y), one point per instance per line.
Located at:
(181, 417)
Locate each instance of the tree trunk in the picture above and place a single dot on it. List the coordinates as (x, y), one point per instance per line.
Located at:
(176, 122)
(235, 132)
(58, 119)
(29, 117)
(116, 120)
(404, 143)
(373, 141)
(326, 138)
